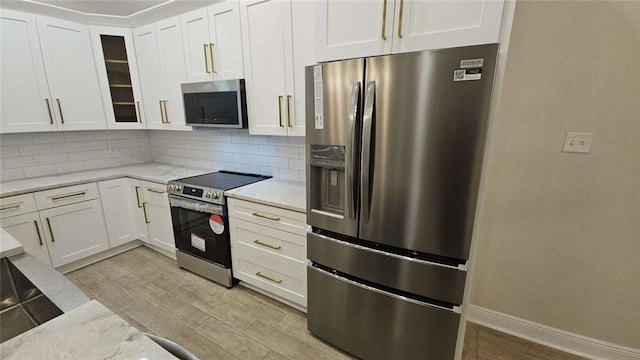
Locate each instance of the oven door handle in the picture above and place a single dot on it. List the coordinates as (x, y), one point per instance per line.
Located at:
(194, 205)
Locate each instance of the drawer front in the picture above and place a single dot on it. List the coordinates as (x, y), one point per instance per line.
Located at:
(66, 195)
(274, 245)
(363, 321)
(274, 217)
(17, 205)
(279, 280)
(155, 193)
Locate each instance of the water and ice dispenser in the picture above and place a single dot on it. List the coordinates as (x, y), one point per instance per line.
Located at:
(328, 179)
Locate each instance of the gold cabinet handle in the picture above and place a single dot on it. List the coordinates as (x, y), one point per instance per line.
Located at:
(60, 109)
(289, 111)
(384, 20)
(266, 217)
(280, 110)
(138, 112)
(53, 239)
(400, 18)
(277, 281)
(161, 111)
(144, 210)
(10, 207)
(206, 59)
(66, 196)
(256, 241)
(49, 109)
(213, 60)
(35, 222)
(155, 190)
(138, 196)
(166, 113)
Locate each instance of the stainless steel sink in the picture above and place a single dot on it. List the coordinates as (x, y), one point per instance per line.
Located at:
(22, 305)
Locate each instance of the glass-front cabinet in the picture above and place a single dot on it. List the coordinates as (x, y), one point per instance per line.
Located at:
(118, 75)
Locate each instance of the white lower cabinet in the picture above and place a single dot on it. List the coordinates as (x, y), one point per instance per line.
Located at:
(138, 217)
(74, 231)
(158, 215)
(268, 249)
(118, 204)
(27, 229)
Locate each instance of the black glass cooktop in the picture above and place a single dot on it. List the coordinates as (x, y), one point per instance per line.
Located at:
(223, 180)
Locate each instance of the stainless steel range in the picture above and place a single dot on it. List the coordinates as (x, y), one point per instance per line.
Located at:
(201, 224)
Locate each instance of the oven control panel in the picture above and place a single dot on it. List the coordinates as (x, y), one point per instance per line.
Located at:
(194, 192)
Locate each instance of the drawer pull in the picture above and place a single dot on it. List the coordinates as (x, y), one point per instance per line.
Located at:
(267, 245)
(266, 217)
(66, 196)
(277, 281)
(10, 207)
(144, 209)
(35, 222)
(155, 190)
(138, 196)
(53, 239)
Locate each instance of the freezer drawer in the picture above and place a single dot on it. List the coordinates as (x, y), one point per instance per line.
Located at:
(373, 324)
(427, 279)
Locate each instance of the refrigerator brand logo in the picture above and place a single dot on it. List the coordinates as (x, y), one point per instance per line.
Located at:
(472, 63)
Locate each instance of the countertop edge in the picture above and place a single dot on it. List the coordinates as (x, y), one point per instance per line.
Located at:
(265, 202)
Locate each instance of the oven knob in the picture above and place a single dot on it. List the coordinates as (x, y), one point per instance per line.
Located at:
(216, 195)
(171, 187)
(178, 188)
(208, 195)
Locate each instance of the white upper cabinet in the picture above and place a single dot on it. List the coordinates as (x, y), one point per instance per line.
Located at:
(118, 77)
(270, 64)
(71, 74)
(24, 93)
(212, 43)
(161, 67)
(421, 25)
(349, 29)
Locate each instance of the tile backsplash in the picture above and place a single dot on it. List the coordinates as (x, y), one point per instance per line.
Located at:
(30, 155)
(279, 156)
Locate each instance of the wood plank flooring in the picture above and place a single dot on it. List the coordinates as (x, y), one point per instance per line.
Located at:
(149, 291)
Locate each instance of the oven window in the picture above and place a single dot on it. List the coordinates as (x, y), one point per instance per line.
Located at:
(219, 108)
(194, 234)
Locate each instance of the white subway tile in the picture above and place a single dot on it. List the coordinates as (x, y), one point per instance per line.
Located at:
(94, 145)
(53, 158)
(48, 138)
(278, 140)
(21, 161)
(268, 150)
(78, 135)
(70, 167)
(66, 147)
(259, 160)
(222, 137)
(40, 170)
(267, 170)
(240, 138)
(242, 158)
(9, 151)
(258, 139)
(34, 149)
(279, 162)
(16, 139)
(288, 174)
(11, 174)
(84, 155)
(296, 140)
(296, 164)
(118, 143)
(288, 151)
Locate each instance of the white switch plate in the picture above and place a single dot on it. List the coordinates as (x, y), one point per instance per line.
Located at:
(576, 142)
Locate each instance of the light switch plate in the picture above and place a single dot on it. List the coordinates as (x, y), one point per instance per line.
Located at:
(576, 142)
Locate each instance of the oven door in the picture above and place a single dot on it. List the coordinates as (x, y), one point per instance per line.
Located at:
(201, 229)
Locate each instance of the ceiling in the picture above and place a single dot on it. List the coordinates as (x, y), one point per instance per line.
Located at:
(122, 8)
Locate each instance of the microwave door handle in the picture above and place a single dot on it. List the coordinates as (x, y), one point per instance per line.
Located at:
(351, 198)
(202, 113)
(367, 123)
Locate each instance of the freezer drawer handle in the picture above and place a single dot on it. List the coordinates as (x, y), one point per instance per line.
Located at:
(256, 241)
(277, 281)
(266, 217)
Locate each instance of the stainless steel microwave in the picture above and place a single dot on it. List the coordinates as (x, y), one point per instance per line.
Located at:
(220, 104)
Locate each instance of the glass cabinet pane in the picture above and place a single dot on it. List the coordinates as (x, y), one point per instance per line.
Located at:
(119, 76)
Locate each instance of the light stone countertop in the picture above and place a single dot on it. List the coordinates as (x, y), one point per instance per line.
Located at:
(287, 194)
(8, 245)
(160, 173)
(89, 332)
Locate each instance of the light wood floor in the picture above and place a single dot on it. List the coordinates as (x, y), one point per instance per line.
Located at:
(149, 291)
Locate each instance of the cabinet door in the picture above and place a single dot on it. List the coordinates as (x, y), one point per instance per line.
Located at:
(265, 50)
(350, 29)
(150, 74)
(160, 227)
(24, 92)
(195, 39)
(169, 37)
(118, 76)
(424, 25)
(304, 30)
(71, 73)
(74, 231)
(27, 229)
(226, 43)
(118, 207)
(140, 224)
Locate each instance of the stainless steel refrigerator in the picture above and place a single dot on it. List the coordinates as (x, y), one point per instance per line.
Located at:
(394, 154)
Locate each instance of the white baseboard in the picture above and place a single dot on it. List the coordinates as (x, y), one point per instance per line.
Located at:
(551, 337)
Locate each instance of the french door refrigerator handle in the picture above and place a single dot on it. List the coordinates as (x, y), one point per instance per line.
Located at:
(353, 117)
(367, 120)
